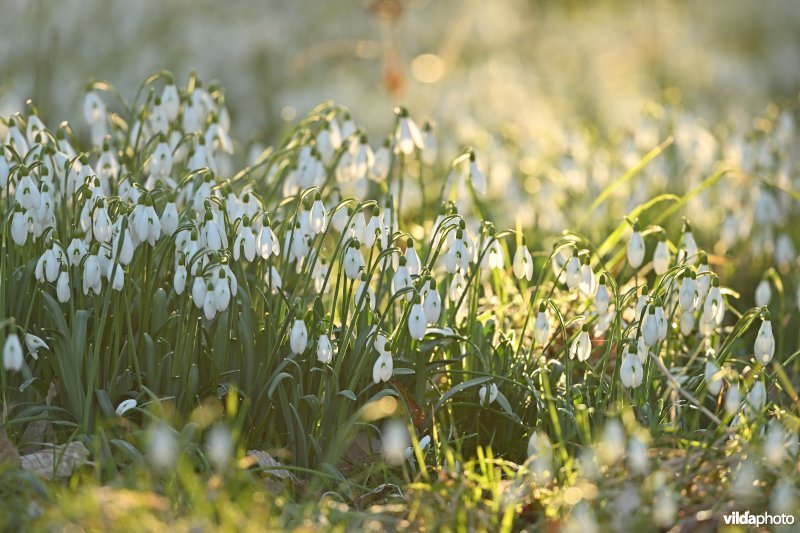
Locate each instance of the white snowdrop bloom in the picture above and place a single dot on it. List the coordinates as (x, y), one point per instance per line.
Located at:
(612, 444)
(650, 329)
(170, 101)
(209, 302)
(601, 298)
(145, 222)
(19, 227)
(101, 223)
(430, 149)
(219, 446)
(588, 281)
(368, 299)
(690, 250)
(381, 162)
(222, 292)
(118, 281)
(354, 261)
(775, 444)
(328, 141)
(213, 233)
(702, 281)
(34, 344)
(783, 499)
(362, 158)
(541, 330)
(319, 274)
(217, 138)
(523, 262)
(298, 338)
(714, 306)
(458, 256)
(199, 290)
(273, 279)
(373, 230)
(631, 372)
(408, 138)
(763, 293)
(402, 278)
(661, 319)
(268, 242)
(661, 256)
(324, 349)
(637, 455)
(179, 279)
(733, 399)
(47, 267)
(493, 257)
(394, 441)
(573, 270)
(756, 398)
(33, 129)
(785, 252)
(12, 353)
(687, 295)
(764, 348)
(62, 286)
(665, 508)
(94, 110)
(424, 442)
(169, 220)
(92, 275)
(412, 259)
(417, 321)
(162, 450)
(122, 244)
(476, 176)
(582, 345)
(457, 287)
(712, 377)
(317, 218)
(688, 321)
(488, 395)
(431, 302)
(125, 406)
(636, 248)
(383, 368)
(245, 243)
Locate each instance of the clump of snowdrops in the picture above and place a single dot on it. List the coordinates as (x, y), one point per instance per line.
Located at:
(150, 282)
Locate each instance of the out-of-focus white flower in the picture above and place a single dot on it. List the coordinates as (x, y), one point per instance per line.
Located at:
(523, 262)
(636, 248)
(12, 353)
(573, 270)
(394, 441)
(733, 399)
(476, 176)
(541, 329)
(601, 299)
(219, 446)
(763, 293)
(407, 136)
(631, 372)
(637, 455)
(661, 256)
(665, 508)
(712, 377)
(163, 447)
(756, 398)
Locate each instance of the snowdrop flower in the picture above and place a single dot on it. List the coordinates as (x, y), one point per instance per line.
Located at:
(222, 292)
(665, 508)
(756, 398)
(636, 248)
(601, 299)
(76, 251)
(689, 245)
(417, 321)
(424, 442)
(661, 256)
(637, 455)
(125, 406)
(573, 269)
(145, 222)
(476, 176)
(711, 375)
(94, 110)
(487, 396)
(764, 347)
(101, 223)
(687, 322)
(362, 158)
(12, 353)
(687, 295)
(62, 286)
(523, 262)
(588, 281)
(431, 302)
(763, 293)
(324, 349)
(661, 320)
(412, 259)
(163, 447)
(245, 242)
(650, 329)
(317, 218)
(401, 279)
(319, 274)
(298, 338)
(703, 281)
(267, 241)
(169, 219)
(354, 261)
(631, 372)
(368, 298)
(47, 267)
(733, 399)
(775, 444)
(179, 279)
(381, 162)
(199, 290)
(210, 302)
(92, 278)
(383, 367)
(541, 331)
(407, 136)
(582, 345)
(394, 441)
(714, 306)
(458, 256)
